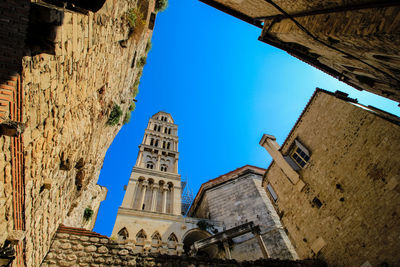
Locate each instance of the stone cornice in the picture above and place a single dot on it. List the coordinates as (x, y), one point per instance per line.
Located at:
(150, 214)
(168, 175)
(161, 134)
(159, 148)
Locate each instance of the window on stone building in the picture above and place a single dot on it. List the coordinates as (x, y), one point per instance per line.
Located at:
(156, 240)
(140, 238)
(152, 20)
(169, 131)
(164, 168)
(150, 165)
(272, 192)
(164, 144)
(172, 241)
(156, 143)
(123, 234)
(155, 127)
(159, 128)
(168, 145)
(300, 154)
(152, 141)
(165, 130)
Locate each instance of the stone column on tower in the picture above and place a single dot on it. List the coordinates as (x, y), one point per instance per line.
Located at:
(154, 198)
(164, 202)
(143, 194)
(129, 195)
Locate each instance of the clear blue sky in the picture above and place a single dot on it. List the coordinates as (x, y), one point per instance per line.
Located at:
(224, 89)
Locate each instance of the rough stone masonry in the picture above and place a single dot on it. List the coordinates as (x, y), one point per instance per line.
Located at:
(70, 72)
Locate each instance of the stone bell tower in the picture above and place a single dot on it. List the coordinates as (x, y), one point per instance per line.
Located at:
(153, 196)
(155, 183)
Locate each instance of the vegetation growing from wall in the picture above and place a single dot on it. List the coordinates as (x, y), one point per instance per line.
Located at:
(148, 46)
(127, 117)
(87, 214)
(115, 115)
(142, 61)
(161, 5)
(135, 18)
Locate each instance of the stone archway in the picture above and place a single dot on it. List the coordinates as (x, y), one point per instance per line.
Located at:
(194, 235)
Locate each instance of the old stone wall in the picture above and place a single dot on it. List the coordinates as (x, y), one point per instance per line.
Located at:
(13, 25)
(359, 47)
(75, 68)
(350, 204)
(242, 200)
(76, 247)
(354, 41)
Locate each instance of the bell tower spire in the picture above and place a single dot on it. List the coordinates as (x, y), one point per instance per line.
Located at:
(159, 148)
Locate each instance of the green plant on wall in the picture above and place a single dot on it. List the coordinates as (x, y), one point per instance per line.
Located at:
(148, 46)
(87, 214)
(142, 61)
(115, 116)
(127, 117)
(161, 5)
(135, 18)
(132, 106)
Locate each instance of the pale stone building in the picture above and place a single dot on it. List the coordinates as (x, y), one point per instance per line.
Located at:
(355, 41)
(335, 182)
(150, 214)
(237, 198)
(150, 219)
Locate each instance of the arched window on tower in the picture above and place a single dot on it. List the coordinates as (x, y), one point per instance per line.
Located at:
(155, 127)
(152, 141)
(164, 144)
(164, 168)
(156, 240)
(159, 128)
(165, 130)
(123, 234)
(141, 238)
(169, 131)
(168, 145)
(156, 144)
(150, 165)
(172, 241)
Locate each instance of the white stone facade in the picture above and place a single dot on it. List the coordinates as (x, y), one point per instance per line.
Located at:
(150, 214)
(237, 198)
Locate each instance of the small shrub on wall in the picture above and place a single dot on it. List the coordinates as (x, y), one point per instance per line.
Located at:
(115, 116)
(135, 18)
(87, 214)
(161, 5)
(127, 117)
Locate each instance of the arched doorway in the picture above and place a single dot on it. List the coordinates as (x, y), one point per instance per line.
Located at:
(194, 235)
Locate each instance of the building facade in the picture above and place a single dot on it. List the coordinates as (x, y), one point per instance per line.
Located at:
(335, 182)
(355, 41)
(237, 198)
(62, 71)
(150, 215)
